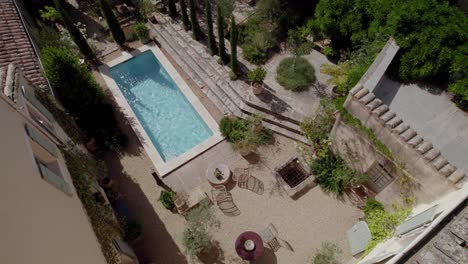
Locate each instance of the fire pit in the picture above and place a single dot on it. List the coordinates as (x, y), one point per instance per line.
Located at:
(294, 177)
(249, 245)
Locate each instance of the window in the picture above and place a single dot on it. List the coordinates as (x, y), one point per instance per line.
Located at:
(41, 140)
(40, 120)
(51, 173)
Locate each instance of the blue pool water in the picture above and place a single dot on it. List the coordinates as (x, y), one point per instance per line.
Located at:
(167, 116)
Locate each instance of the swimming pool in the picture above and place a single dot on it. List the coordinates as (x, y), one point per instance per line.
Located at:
(164, 112)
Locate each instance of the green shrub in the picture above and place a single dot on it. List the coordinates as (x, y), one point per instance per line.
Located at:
(141, 31)
(333, 175)
(145, 9)
(245, 134)
(372, 205)
(295, 73)
(112, 21)
(305, 48)
(197, 33)
(329, 51)
(209, 23)
(185, 17)
(84, 99)
(172, 8)
(329, 253)
(195, 240)
(382, 224)
(257, 75)
(253, 54)
(49, 14)
(220, 24)
(167, 199)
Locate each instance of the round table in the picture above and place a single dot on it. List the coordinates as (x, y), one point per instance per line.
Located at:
(225, 174)
(243, 252)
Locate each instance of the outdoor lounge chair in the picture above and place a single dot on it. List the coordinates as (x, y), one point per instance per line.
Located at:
(223, 199)
(270, 237)
(252, 184)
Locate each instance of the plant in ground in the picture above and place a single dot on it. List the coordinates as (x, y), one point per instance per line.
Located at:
(333, 175)
(197, 34)
(141, 31)
(199, 220)
(234, 63)
(209, 23)
(75, 34)
(295, 73)
(329, 253)
(245, 134)
(256, 75)
(112, 22)
(372, 205)
(172, 8)
(220, 24)
(256, 50)
(316, 130)
(167, 199)
(80, 94)
(145, 9)
(382, 224)
(185, 18)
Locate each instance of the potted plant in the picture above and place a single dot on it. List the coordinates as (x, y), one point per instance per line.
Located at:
(146, 9)
(142, 32)
(106, 182)
(167, 199)
(256, 78)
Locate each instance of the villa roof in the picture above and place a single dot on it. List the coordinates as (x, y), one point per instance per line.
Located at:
(15, 45)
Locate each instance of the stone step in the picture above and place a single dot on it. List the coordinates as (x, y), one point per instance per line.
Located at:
(232, 88)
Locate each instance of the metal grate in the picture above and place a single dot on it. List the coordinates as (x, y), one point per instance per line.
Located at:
(293, 173)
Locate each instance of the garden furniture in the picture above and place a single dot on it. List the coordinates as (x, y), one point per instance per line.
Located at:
(223, 199)
(270, 236)
(252, 184)
(218, 174)
(249, 246)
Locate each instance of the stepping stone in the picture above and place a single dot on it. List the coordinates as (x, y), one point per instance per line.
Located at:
(447, 170)
(394, 122)
(400, 128)
(408, 134)
(387, 116)
(361, 93)
(432, 154)
(424, 147)
(374, 104)
(356, 89)
(415, 141)
(439, 162)
(380, 110)
(367, 98)
(456, 176)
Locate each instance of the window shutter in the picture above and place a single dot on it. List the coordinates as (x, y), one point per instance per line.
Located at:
(29, 95)
(41, 140)
(53, 178)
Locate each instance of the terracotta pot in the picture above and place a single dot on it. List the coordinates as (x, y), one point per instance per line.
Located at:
(257, 88)
(106, 182)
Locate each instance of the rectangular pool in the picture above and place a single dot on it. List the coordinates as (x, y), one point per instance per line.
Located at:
(168, 118)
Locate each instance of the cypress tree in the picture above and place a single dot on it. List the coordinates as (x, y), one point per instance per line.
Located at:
(172, 8)
(234, 64)
(197, 34)
(209, 21)
(112, 22)
(75, 33)
(220, 24)
(185, 19)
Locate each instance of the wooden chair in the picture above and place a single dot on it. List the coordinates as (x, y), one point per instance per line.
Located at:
(224, 200)
(270, 237)
(252, 184)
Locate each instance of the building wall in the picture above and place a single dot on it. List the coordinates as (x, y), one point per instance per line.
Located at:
(40, 223)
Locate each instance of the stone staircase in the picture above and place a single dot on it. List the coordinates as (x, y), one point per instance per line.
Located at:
(407, 134)
(231, 97)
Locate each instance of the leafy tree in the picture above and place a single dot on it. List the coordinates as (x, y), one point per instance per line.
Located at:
(112, 21)
(234, 63)
(75, 33)
(185, 18)
(80, 94)
(197, 34)
(49, 14)
(209, 22)
(220, 25)
(172, 8)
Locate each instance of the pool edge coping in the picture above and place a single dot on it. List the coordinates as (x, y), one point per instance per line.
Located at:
(162, 168)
